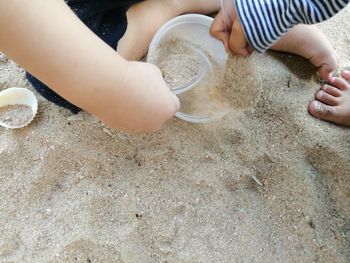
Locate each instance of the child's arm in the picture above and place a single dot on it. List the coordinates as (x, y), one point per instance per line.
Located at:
(48, 40)
(262, 22)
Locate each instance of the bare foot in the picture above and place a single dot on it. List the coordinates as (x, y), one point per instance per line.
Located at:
(333, 101)
(309, 42)
(146, 17)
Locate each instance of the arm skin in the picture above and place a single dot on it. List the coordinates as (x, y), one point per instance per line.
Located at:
(49, 41)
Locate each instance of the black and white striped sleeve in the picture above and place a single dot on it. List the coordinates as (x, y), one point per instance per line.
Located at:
(265, 21)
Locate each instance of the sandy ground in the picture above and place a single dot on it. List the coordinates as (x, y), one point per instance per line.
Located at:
(72, 190)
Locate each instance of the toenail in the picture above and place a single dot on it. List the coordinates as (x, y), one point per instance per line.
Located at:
(318, 107)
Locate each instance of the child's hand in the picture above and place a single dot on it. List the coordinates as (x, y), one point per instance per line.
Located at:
(131, 96)
(231, 34)
(146, 104)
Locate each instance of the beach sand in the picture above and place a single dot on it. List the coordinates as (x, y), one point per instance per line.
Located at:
(73, 190)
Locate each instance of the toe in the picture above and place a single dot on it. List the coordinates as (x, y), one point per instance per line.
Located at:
(331, 90)
(322, 111)
(326, 69)
(339, 83)
(326, 98)
(346, 75)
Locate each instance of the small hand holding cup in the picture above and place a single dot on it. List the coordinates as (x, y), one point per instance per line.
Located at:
(228, 29)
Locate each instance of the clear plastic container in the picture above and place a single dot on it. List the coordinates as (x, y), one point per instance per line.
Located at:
(194, 95)
(205, 67)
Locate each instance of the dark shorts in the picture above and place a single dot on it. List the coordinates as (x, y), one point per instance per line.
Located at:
(107, 19)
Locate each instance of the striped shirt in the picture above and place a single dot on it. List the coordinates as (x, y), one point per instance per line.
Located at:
(265, 21)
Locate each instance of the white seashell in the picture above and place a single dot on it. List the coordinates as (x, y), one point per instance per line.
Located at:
(18, 96)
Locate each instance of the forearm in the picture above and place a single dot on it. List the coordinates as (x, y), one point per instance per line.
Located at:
(49, 41)
(265, 21)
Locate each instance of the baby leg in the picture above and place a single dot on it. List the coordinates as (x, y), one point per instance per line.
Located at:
(333, 101)
(309, 42)
(146, 17)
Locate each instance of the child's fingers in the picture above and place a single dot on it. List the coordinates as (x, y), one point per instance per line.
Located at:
(238, 43)
(218, 30)
(325, 71)
(250, 50)
(218, 25)
(222, 36)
